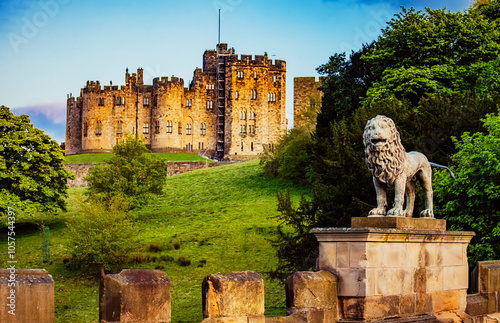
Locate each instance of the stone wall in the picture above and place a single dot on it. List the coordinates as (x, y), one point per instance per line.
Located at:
(80, 170)
(306, 101)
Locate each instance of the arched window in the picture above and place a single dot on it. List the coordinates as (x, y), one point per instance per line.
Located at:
(146, 101)
(210, 105)
(253, 94)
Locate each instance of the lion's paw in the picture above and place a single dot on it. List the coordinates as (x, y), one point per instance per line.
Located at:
(396, 212)
(427, 213)
(377, 212)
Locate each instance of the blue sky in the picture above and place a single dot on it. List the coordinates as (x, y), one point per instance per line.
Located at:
(50, 48)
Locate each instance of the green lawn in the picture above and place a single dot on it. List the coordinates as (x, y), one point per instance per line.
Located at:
(221, 217)
(100, 158)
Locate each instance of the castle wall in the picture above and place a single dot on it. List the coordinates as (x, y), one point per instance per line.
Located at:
(306, 101)
(73, 141)
(170, 116)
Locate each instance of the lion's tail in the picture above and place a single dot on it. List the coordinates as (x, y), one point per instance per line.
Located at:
(441, 166)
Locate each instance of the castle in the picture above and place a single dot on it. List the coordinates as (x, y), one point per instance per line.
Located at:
(233, 106)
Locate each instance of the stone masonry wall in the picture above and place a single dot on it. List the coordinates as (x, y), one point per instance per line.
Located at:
(306, 101)
(80, 170)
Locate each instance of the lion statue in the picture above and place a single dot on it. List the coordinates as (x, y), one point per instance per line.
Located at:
(392, 166)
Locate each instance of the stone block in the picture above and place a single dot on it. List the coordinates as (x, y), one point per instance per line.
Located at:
(398, 223)
(135, 295)
(393, 255)
(451, 255)
(444, 301)
(327, 256)
(238, 294)
(434, 279)
(343, 254)
(456, 277)
(311, 290)
(476, 305)
(32, 297)
(393, 281)
(352, 282)
(357, 255)
(489, 283)
(370, 308)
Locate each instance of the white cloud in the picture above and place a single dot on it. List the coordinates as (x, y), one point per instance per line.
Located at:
(55, 111)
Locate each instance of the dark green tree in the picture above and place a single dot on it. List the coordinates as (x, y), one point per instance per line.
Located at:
(32, 173)
(470, 203)
(132, 172)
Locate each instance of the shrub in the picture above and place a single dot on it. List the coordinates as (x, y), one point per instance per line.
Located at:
(154, 247)
(184, 261)
(100, 234)
(132, 172)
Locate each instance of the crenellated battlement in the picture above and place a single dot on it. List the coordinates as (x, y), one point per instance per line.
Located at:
(164, 81)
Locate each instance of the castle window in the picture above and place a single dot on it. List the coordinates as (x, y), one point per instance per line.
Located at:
(237, 95)
(253, 94)
(242, 115)
(210, 105)
(146, 101)
(180, 128)
(188, 103)
(210, 86)
(203, 129)
(101, 101)
(169, 126)
(251, 146)
(119, 125)
(242, 146)
(271, 97)
(85, 129)
(145, 128)
(120, 100)
(243, 129)
(157, 126)
(255, 75)
(188, 129)
(275, 78)
(251, 129)
(240, 75)
(251, 115)
(98, 129)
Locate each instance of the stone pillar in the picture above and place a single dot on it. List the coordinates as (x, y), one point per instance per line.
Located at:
(31, 298)
(312, 296)
(135, 295)
(391, 267)
(236, 297)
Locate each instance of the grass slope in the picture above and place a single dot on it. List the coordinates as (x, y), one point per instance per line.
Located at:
(219, 218)
(101, 158)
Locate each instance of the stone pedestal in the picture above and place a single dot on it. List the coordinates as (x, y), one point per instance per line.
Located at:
(27, 295)
(135, 295)
(236, 297)
(396, 267)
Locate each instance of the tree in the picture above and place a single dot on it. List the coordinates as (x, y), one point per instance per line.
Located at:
(471, 202)
(100, 235)
(132, 172)
(32, 173)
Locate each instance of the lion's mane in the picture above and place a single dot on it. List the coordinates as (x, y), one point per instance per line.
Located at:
(387, 162)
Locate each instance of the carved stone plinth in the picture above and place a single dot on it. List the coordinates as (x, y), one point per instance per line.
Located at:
(396, 267)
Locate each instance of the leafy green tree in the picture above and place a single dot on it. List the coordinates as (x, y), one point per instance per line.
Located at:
(32, 173)
(471, 202)
(132, 172)
(100, 235)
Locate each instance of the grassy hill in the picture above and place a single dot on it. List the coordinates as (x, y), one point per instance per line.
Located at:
(101, 158)
(219, 218)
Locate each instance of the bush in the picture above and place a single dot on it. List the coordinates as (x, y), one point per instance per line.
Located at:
(184, 261)
(100, 235)
(132, 172)
(471, 202)
(154, 247)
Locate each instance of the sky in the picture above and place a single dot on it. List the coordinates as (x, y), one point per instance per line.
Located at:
(50, 48)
